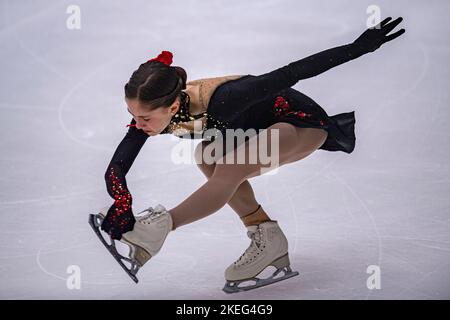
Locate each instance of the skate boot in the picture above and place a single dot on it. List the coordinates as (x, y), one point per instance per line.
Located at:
(144, 241)
(268, 247)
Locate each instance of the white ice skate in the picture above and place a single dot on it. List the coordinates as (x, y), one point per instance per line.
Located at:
(145, 240)
(269, 247)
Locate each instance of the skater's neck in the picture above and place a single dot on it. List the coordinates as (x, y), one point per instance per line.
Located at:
(194, 96)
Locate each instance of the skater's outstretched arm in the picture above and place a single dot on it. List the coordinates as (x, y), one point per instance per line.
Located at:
(258, 88)
(320, 62)
(120, 217)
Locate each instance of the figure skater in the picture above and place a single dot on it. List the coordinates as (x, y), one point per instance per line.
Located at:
(162, 102)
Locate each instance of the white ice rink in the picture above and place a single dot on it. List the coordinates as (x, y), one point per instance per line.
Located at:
(386, 204)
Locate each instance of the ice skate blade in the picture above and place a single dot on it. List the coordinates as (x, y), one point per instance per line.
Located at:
(233, 286)
(95, 221)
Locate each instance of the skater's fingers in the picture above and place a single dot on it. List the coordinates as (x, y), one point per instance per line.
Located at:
(391, 25)
(395, 35)
(383, 23)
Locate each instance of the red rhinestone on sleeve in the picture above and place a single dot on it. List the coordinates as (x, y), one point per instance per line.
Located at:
(122, 199)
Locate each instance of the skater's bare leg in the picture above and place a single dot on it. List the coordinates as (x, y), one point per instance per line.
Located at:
(294, 144)
(243, 201)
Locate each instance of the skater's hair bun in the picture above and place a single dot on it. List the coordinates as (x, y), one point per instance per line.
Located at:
(155, 83)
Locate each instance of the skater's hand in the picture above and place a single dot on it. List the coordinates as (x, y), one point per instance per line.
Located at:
(119, 220)
(374, 37)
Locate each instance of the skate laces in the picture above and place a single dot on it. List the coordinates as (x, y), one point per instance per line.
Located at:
(254, 248)
(153, 213)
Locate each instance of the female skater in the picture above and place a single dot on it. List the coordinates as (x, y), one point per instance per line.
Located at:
(161, 102)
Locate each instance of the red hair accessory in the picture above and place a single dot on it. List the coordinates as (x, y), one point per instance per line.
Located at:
(164, 57)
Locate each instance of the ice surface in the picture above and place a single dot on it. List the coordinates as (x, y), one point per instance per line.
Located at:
(63, 114)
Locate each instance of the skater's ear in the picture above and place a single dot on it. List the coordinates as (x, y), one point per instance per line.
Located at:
(175, 106)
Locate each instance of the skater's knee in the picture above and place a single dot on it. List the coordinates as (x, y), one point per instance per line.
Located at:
(206, 167)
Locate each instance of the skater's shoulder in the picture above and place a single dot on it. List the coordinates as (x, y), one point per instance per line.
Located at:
(214, 79)
(207, 86)
(200, 92)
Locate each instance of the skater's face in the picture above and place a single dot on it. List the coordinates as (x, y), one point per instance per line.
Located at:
(154, 121)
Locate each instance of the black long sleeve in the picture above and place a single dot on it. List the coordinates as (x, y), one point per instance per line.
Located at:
(120, 217)
(259, 88)
(369, 41)
(287, 76)
(124, 156)
(255, 89)
(318, 63)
